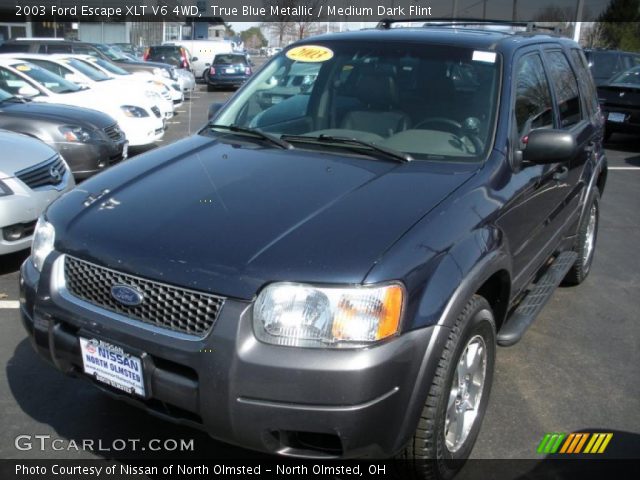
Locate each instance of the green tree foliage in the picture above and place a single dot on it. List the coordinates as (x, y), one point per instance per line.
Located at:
(620, 35)
(253, 38)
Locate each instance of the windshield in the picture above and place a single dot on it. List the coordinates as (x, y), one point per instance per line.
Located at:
(108, 66)
(4, 95)
(49, 80)
(109, 52)
(631, 77)
(604, 64)
(229, 59)
(431, 103)
(93, 73)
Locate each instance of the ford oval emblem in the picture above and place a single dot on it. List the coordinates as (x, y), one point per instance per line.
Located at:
(127, 295)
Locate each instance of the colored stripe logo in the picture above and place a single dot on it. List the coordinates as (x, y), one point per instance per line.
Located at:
(592, 443)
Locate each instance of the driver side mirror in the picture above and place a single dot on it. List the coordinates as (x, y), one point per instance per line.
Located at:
(28, 91)
(214, 108)
(546, 146)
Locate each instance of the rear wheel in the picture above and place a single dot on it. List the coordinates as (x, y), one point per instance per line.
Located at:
(585, 242)
(458, 396)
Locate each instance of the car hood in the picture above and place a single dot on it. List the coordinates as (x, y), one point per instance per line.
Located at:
(619, 94)
(96, 99)
(20, 152)
(144, 64)
(63, 114)
(229, 217)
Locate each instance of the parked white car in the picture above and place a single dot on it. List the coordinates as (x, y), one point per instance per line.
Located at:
(186, 79)
(171, 89)
(85, 75)
(141, 122)
(32, 175)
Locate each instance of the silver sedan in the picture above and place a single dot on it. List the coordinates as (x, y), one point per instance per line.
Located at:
(32, 175)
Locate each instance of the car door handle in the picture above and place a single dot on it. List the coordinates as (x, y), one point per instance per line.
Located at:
(561, 173)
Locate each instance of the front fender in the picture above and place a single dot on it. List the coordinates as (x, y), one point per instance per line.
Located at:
(454, 276)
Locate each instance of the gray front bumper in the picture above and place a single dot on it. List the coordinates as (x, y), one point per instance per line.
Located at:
(240, 390)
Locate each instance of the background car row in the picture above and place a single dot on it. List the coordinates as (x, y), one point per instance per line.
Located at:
(71, 109)
(617, 77)
(88, 103)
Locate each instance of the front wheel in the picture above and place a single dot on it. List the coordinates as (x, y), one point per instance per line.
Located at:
(458, 396)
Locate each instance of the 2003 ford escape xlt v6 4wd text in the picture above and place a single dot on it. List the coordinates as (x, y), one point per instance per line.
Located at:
(348, 253)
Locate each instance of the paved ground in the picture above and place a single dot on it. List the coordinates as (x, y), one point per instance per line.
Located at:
(575, 370)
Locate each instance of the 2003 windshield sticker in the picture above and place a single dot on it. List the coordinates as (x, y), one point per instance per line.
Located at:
(310, 53)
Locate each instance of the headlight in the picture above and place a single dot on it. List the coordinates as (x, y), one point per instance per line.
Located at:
(308, 316)
(43, 238)
(162, 72)
(4, 189)
(75, 134)
(136, 112)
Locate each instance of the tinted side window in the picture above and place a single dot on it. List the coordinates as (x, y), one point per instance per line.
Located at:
(14, 47)
(83, 50)
(58, 48)
(566, 87)
(533, 96)
(585, 80)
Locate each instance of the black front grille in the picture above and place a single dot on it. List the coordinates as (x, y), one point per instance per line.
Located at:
(46, 173)
(163, 305)
(113, 132)
(156, 111)
(18, 231)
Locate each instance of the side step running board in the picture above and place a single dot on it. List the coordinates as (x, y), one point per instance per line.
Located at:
(523, 316)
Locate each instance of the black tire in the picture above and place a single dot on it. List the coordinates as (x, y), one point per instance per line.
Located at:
(428, 453)
(210, 88)
(607, 135)
(580, 270)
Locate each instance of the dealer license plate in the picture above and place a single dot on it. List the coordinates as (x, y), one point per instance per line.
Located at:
(110, 364)
(616, 117)
(230, 70)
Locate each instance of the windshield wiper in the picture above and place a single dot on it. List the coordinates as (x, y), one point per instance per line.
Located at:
(348, 141)
(252, 131)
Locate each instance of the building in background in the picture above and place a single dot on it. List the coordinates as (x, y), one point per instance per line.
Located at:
(140, 33)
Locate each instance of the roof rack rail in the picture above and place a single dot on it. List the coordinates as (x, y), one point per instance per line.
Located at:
(48, 39)
(387, 23)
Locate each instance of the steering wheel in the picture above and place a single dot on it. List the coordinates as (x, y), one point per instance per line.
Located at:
(449, 125)
(445, 124)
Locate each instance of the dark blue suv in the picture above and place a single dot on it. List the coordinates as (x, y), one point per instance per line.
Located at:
(326, 268)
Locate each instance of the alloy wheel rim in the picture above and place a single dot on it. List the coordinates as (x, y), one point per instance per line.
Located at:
(465, 394)
(590, 237)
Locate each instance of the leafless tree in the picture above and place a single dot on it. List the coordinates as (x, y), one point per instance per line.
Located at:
(282, 29)
(592, 36)
(284, 23)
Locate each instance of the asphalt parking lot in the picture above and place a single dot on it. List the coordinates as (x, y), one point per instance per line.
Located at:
(575, 370)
